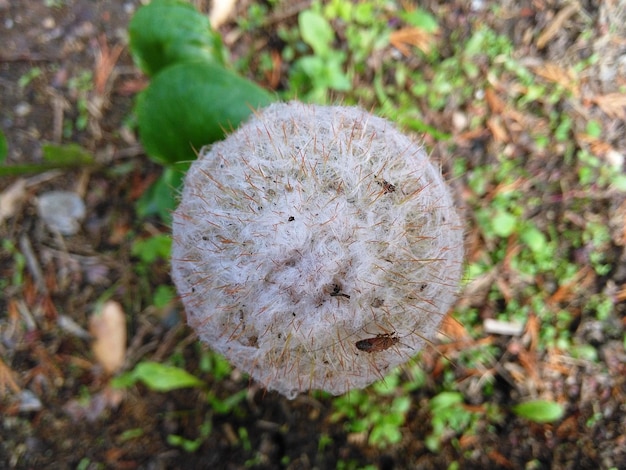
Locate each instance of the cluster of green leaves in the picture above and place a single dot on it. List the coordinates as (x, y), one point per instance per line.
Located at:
(193, 99)
(321, 71)
(381, 410)
(451, 418)
(363, 414)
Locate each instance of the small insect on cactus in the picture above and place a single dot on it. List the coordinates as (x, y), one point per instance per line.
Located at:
(316, 248)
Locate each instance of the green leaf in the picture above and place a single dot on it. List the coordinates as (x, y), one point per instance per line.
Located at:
(422, 127)
(228, 404)
(385, 434)
(54, 156)
(539, 411)
(163, 378)
(4, 147)
(594, 128)
(192, 104)
(160, 198)
(187, 445)
(151, 249)
(401, 404)
(421, 19)
(163, 295)
(445, 400)
(66, 155)
(167, 32)
(534, 238)
(316, 32)
(503, 223)
(125, 380)
(619, 182)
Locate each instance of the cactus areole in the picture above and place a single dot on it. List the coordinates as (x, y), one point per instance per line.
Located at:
(317, 247)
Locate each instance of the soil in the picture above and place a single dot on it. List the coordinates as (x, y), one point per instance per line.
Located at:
(66, 77)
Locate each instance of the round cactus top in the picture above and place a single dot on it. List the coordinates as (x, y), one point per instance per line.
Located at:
(317, 247)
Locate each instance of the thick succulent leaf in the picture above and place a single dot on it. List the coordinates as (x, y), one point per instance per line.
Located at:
(167, 32)
(191, 104)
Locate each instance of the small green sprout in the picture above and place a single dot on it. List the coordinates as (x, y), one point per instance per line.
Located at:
(158, 377)
(539, 411)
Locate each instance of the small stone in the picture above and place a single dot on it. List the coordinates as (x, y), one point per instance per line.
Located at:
(29, 401)
(22, 109)
(48, 23)
(62, 211)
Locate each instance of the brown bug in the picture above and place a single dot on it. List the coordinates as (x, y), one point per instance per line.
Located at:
(387, 186)
(381, 342)
(337, 292)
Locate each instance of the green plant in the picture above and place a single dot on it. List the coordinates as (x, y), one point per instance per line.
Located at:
(323, 70)
(157, 377)
(19, 264)
(168, 32)
(191, 104)
(364, 412)
(54, 157)
(79, 86)
(214, 364)
(381, 410)
(152, 249)
(255, 17)
(449, 418)
(192, 445)
(539, 411)
(29, 76)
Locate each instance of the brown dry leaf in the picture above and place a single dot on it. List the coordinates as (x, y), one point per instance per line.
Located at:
(494, 101)
(105, 64)
(568, 291)
(108, 327)
(612, 104)
(620, 296)
(12, 198)
(7, 379)
(405, 37)
(568, 428)
(453, 329)
(528, 360)
(273, 76)
(597, 147)
(533, 326)
(556, 74)
(499, 459)
(555, 26)
(499, 133)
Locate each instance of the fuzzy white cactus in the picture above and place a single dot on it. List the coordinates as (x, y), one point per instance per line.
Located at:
(316, 248)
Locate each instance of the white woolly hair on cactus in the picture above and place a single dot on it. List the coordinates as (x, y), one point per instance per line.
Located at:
(316, 247)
